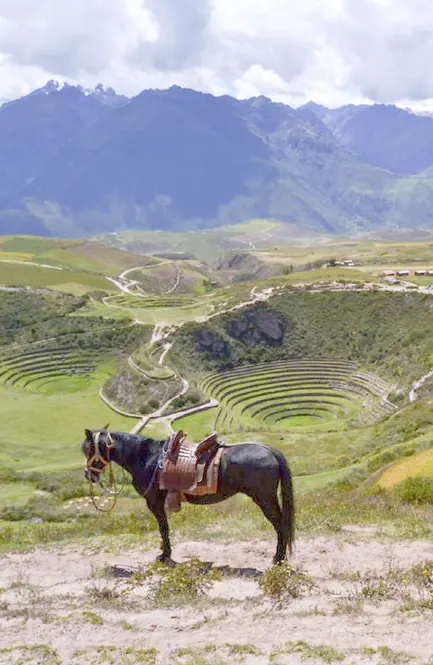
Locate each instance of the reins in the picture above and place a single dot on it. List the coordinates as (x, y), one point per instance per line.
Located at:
(110, 489)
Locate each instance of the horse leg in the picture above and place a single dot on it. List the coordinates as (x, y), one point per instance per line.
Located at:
(272, 511)
(156, 505)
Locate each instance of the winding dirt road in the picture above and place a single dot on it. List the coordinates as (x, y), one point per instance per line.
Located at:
(418, 384)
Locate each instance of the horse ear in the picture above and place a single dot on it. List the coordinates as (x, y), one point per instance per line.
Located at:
(106, 427)
(89, 435)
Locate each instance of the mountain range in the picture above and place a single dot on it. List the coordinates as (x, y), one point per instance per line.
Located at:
(77, 162)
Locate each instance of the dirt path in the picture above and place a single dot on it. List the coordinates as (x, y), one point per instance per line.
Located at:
(166, 348)
(67, 600)
(31, 263)
(156, 415)
(418, 384)
(176, 283)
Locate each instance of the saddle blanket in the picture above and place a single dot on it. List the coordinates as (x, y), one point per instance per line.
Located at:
(190, 475)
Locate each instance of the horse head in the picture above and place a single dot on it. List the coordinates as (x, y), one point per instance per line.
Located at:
(97, 447)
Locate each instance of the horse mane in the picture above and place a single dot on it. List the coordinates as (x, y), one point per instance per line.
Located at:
(128, 437)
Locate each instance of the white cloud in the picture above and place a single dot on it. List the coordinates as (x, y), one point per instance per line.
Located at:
(333, 51)
(388, 46)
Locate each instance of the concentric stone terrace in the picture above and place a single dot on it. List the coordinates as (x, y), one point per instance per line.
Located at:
(137, 302)
(283, 394)
(35, 368)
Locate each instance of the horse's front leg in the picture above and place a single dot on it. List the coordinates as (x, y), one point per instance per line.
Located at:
(156, 504)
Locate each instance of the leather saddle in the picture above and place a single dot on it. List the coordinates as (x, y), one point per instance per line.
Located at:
(191, 468)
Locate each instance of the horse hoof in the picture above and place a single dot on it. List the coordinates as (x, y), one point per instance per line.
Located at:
(167, 560)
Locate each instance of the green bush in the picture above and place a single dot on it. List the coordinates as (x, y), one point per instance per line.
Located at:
(283, 581)
(194, 397)
(153, 403)
(418, 489)
(183, 583)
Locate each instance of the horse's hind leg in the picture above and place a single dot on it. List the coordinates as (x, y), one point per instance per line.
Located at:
(272, 511)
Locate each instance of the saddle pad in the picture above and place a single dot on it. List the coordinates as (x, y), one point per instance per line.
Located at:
(210, 484)
(182, 474)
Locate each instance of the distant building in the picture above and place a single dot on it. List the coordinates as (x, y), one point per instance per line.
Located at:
(430, 272)
(388, 273)
(420, 273)
(403, 273)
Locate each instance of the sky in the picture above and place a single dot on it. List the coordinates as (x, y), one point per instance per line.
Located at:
(331, 51)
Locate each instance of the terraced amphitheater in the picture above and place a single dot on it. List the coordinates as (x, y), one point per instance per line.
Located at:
(36, 368)
(284, 394)
(139, 302)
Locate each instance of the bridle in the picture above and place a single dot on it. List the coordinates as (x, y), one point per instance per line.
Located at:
(97, 457)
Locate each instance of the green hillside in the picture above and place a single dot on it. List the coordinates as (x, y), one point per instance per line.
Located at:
(70, 266)
(210, 244)
(323, 376)
(388, 332)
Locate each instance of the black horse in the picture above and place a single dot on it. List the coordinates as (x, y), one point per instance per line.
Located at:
(251, 468)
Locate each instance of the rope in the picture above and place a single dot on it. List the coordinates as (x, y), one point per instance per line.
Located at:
(111, 488)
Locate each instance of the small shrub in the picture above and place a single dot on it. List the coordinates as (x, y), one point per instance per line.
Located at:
(417, 605)
(153, 403)
(194, 397)
(102, 593)
(423, 572)
(281, 581)
(181, 584)
(93, 618)
(179, 403)
(416, 490)
(126, 625)
(397, 398)
(309, 651)
(112, 654)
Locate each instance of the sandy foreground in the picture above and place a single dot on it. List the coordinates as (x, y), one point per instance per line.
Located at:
(56, 609)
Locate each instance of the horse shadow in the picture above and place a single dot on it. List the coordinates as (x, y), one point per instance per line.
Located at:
(121, 572)
(231, 571)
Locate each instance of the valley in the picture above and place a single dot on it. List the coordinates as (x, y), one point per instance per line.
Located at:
(306, 347)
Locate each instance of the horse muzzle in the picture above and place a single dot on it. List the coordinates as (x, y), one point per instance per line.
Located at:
(92, 476)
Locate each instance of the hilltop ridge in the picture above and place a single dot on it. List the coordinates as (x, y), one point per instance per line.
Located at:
(79, 162)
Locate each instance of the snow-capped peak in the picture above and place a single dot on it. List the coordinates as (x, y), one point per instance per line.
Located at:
(106, 96)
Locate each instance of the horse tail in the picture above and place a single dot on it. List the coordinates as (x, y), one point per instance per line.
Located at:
(287, 501)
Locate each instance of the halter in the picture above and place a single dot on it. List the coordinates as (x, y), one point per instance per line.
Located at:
(111, 489)
(97, 457)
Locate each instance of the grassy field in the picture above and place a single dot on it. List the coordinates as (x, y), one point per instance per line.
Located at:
(44, 432)
(370, 257)
(360, 251)
(78, 255)
(210, 244)
(147, 315)
(420, 464)
(68, 281)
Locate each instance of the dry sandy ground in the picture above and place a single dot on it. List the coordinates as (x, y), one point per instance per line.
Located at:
(350, 616)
